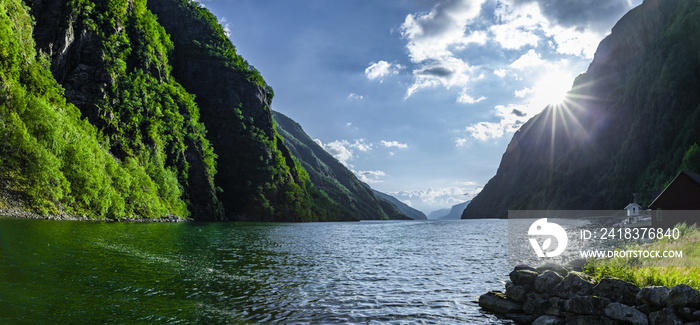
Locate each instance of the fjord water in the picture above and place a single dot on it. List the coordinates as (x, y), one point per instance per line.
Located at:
(235, 273)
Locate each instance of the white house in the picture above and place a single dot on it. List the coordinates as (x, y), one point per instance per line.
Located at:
(633, 209)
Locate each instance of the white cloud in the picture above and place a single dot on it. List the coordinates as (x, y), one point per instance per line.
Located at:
(370, 176)
(430, 35)
(381, 69)
(434, 38)
(461, 142)
(486, 130)
(500, 72)
(344, 150)
(227, 28)
(394, 144)
(354, 96)
(447, 73)
(437, 40)
(339, 150)
(467, 99)
(574, 42)
(528, 60)
(522, 92)
(517, 28)
(512, 37)
(436, 198)
(511, 118)
(575, 26)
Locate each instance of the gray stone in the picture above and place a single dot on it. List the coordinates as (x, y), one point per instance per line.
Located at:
(653, 296)
(576, 283)
(589, 320)
(535, 304)
(688, 314)
(523, 277)
(587, 305)
(547, 281)
(521, 318)
(555, 306)
(665, 316)
(549, 320)
(524, 267)
(683, 296)
(496, 301)
(626, 314)
(646, 309)
(563, 271)
(617, 290)
(517, 292)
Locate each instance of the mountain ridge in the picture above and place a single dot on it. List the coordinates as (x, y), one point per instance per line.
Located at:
(332, 177)
(628, 122)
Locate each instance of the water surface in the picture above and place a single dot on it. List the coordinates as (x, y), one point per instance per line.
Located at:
(240, 273)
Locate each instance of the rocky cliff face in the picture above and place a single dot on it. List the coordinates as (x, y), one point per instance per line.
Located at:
(104, 62)
(234, 103)
(130, 67)
(625, 128)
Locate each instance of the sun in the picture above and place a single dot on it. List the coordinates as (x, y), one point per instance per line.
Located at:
(552, 88)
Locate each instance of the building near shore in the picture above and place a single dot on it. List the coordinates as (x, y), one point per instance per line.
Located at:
(679, 202)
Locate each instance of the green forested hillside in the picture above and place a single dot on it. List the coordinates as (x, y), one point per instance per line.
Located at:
(52, 159)
(629, 122)
(141, 109)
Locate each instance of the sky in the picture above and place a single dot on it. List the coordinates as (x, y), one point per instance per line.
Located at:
(419, 98)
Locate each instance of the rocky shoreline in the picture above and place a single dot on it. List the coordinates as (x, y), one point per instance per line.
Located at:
(13, 212)
(555, 295)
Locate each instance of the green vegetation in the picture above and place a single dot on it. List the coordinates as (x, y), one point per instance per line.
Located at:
(217, 44)
(54, 157)
(655, 271)
(98, 119)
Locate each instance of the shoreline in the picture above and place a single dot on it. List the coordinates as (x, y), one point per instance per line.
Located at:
(18, 213)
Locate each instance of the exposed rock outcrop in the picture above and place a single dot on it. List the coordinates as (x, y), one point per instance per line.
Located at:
(610, 301)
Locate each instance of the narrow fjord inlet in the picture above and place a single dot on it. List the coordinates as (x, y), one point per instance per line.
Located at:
(349, 162)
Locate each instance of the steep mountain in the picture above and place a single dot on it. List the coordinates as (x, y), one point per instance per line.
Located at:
(437, 214)
(455, 212)
(626, 127)
(330, 176)
(403, 207)
(128, 108)
(112, 59)
(259, 177)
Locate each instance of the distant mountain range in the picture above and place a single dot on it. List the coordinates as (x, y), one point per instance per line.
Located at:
(403, 207)
(437, 214)
(449, 214)
(629, 125)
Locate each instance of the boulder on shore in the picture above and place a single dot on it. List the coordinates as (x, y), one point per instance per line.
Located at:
(497, 302)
